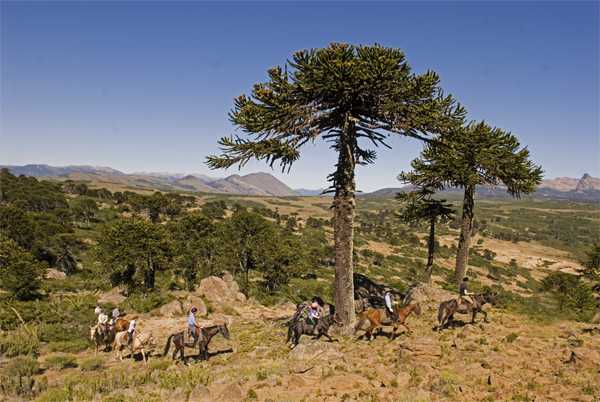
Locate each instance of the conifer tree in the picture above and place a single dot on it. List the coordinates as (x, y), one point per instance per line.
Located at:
(421, 206)
(352, 97)
(476, 154)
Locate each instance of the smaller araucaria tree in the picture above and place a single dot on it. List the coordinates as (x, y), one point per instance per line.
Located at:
(474, 155)
(419, 206)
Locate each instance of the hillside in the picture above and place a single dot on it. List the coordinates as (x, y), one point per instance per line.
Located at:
(87, 242)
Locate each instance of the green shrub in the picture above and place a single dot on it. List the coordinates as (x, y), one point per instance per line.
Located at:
(72, 346)
(146, 302)
(92, 364)
(60, 361)
(54, 395)
(510, 338)
(16, 377)
(22, 341)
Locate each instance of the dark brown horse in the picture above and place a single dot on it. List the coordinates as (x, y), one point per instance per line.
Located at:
(448, 308)
(207, 334)
(298, 328)
(379, 317)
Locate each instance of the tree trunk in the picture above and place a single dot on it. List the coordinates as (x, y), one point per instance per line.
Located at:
(343, 205)
(430, 248)
(462, 255)
(149, 274)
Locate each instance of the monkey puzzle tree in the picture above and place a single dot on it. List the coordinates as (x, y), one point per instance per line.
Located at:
(348, 96)
(473, 155)
(421, 206)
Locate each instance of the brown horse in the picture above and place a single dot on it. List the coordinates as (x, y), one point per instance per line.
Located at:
(121, 325)
(207, 334)
(379, 317)
(448, 308)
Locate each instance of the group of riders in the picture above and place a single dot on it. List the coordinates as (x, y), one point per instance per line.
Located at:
(309, 312)
(312, 311)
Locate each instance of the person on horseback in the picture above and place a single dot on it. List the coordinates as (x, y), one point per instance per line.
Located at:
(131, 332)
(102, 320)
(115, 316)
(464, 293)
(389, 305)
(193, 327)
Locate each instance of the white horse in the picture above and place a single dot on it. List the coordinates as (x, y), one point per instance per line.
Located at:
(140, 343)
(101, 337)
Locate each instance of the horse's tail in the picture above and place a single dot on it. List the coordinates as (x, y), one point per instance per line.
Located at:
(168, 345)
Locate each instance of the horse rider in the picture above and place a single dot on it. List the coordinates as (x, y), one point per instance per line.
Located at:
(115, 315)
(389, 305)
(193, 328)
(464, 293)
(102, 319)
(131, 332)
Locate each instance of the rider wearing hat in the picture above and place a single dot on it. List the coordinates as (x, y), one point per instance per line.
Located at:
(193, 327)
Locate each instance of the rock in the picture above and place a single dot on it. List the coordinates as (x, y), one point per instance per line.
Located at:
(297, 381)
(113, 296)
(215, 290)
(200, 393)
(52, 273)
(195, 301)
(232, 392)
(596, 318)
(240, 297)
(171, 309)
(176, 395)
(227, 277)
(403, 379)
(316, 349)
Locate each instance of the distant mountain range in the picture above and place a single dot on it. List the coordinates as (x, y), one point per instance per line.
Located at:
(263, 184)
(586, 188)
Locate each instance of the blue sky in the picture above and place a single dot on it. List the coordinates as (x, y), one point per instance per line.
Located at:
(146, 86)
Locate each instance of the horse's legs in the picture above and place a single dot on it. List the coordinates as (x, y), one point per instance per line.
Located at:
(485, 319)
(474, 312)
(143, 356)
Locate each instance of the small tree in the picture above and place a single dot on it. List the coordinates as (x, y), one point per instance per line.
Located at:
(421, 206)
(20, 273)
(348, 96)
(132, 250)
(591, 268)
(476, 154)
(84, 209)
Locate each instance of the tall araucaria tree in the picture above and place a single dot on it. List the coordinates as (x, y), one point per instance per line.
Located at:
(476, 154)
(420, 206)
(351, 97)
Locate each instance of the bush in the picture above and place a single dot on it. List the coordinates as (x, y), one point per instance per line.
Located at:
(54, 395)
(146, 302)
(20, 273)
(72, 346)
(92, 364)
(60, 361)
(22, 341)
(16, 377)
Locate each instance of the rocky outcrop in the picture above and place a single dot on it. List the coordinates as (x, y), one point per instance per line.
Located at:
(220, 291)
(587, 183)
(182, 305)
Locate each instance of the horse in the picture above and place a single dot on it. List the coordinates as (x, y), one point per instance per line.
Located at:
(139, 344)
(379, 317)
(100, 336)
(448, 308)
(121, 324)
(207, 333)
(298, 328)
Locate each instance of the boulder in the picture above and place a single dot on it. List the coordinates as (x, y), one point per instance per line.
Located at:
(316, 349)
(113, 296)
(219, 292)
(52, 273)
(200, 393)
(232, 392)
(195, 301)
(171, 309)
